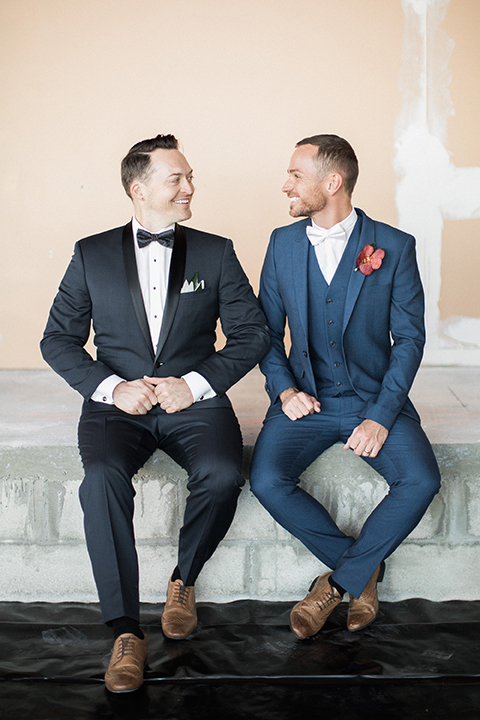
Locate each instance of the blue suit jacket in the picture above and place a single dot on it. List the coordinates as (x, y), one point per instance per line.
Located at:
(383, 331)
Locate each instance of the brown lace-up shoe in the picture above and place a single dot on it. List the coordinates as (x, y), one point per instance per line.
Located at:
(363, 610)
(309, 615)
(125, 669)
(179, 618)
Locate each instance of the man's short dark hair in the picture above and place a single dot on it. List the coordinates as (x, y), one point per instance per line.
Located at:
(334, 154)
(136, 163)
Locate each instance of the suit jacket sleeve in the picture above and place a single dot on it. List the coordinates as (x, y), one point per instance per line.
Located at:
(243, 324)
(407, 330)
(275, 365)
(68, 329)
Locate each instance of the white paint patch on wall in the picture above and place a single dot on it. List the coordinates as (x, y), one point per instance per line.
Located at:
(430, 187)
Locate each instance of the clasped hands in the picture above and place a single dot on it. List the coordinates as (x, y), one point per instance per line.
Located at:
(366, 439)
(137, 397)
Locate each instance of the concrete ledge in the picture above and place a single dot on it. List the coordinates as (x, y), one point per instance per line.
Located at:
(43, 555)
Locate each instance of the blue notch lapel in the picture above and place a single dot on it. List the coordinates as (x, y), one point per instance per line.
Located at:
(134, 284)
(175, 282)
(299, 249)
(366, 237)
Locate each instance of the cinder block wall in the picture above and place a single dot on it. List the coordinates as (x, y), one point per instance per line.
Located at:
(43, 555)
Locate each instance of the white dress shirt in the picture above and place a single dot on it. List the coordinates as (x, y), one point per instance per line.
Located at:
(330, 244)
(153, 266)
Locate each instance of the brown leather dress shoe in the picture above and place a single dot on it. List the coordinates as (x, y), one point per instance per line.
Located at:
(363, 610)
(125, 669)
(309, 615)
(179, 618)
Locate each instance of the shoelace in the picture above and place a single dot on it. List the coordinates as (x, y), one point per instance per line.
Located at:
(181, 594)
(125, 648)
(327, 600)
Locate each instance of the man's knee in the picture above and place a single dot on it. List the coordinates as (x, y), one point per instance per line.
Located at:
(101, 480)
(220, 479)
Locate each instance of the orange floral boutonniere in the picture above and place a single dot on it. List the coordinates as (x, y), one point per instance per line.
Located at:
(369, 259)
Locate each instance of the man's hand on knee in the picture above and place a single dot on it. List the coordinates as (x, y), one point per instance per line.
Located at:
(173, 394)
(297, 404)
(367, 439)
(135, 397)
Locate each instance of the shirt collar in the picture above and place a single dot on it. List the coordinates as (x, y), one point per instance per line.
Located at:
(346, 225)
(136, 226)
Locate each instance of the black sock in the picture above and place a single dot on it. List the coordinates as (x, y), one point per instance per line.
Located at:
(176, 575)
(123, 625)
(338, 587)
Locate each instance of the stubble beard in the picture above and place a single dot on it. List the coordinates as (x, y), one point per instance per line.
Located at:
(303, 210)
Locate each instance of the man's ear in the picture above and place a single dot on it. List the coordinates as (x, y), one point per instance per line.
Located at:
(137, 189)
(334, 183)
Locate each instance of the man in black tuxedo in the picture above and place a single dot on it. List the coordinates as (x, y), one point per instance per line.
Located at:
(154, 291)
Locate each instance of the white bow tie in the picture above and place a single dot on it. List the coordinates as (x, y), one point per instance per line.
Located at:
(317, 235)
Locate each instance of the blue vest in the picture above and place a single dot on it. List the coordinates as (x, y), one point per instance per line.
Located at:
(326, 306)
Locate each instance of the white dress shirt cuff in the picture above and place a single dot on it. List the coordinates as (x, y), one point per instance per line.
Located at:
(104, 392)
(199, 387)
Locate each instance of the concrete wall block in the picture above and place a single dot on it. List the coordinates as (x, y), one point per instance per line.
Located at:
(283, 571)
(156, 564)
(156, 508)
(472, 488)
(458, 460)
(433, 523)
(15, 500)
(46, 573)
(226, 576)
(70, 526)
(252, 522)
(436, 571)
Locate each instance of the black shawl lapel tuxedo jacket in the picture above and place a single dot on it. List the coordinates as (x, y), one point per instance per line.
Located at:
(101, 287)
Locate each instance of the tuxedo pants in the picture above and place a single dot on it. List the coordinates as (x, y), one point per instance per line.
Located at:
(113, 447)
(285, 448)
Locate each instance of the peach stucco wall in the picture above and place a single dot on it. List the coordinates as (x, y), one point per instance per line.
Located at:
(239, 83)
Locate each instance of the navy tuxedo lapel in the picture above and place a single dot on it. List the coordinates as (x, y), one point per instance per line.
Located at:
(299, 248)
(134, 284)
(365, 237)
(175, 282)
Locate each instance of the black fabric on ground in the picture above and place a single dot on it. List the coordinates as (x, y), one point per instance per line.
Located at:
(419, 659)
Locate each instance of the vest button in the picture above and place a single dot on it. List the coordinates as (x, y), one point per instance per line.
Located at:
(332, 342)
(330, 322)
(336, 364)
(339, 384)
(329, 301)
(305, 354)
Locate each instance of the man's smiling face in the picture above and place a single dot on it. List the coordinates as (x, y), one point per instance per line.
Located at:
(304, 187)
(168, 189)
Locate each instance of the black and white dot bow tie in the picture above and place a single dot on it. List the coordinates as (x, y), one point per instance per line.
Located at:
(166, 239)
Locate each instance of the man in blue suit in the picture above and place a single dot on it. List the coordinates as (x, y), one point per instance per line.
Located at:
(351, 291)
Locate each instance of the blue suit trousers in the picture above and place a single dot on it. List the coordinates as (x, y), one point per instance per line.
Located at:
(285, 448)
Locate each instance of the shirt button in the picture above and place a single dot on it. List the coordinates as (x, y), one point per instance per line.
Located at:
(332, 342)
(305, 354)
(104, 398)
(330, 322)
(329, 301)
(336, 364)
(339, 384)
